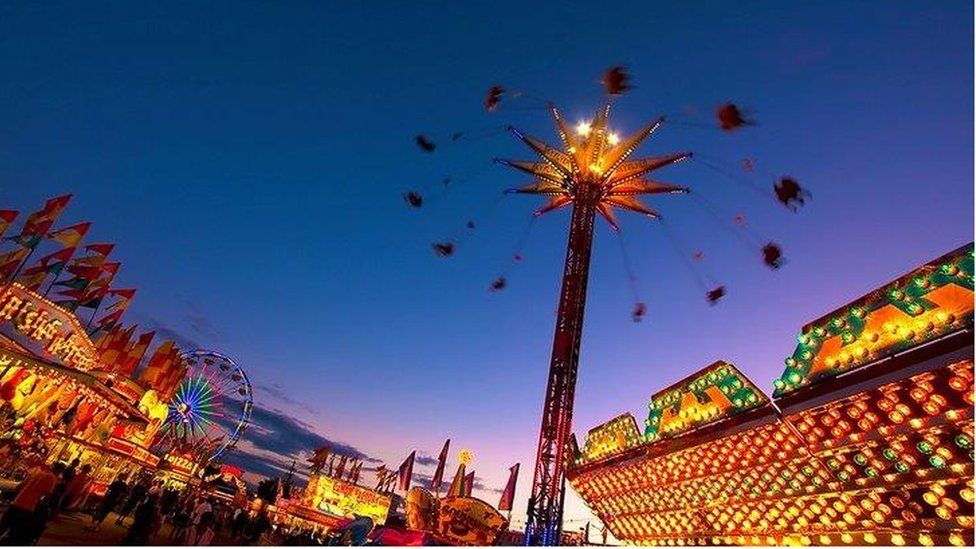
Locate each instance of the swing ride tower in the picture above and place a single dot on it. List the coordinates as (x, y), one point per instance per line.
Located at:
(593, 175)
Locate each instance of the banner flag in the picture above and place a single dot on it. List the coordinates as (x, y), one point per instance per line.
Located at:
(11, 260)
(340, 467)
(70, 237)
(508, 495)
(7, 218)
(405, 473)
(457, 485)
(101, 248)
(134, 354)
(438, 478)
(39, 222)
(33, 277)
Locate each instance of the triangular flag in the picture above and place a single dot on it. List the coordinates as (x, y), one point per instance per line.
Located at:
(32, 281)
(405, 472)
(70, 237)
(340, 467)
(468, 484)
(438, 478)
(52, 263)
(508, 495)
(101, 248)
(457, 485)
(124, 293)
(10, 261)
(7, 218)
(39, 222)
(134, 354)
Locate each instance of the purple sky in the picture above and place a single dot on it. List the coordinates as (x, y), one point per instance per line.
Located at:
(248, 159)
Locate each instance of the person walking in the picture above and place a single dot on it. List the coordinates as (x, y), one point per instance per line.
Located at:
(115, 492)
(136, 495)
(143, 522)
(181, 519)
(77, 487)
(18, 524)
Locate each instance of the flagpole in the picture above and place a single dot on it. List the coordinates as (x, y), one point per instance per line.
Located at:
(13, 277)
(55, 281)
(57, 275)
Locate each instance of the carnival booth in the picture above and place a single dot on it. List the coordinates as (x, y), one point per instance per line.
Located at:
(327, 502)
(868, 438)
(61, 401)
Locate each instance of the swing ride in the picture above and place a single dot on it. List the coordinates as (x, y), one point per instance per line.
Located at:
(592, 173)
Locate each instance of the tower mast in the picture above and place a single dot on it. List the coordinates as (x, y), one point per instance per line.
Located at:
(557, 411)
(592, 175)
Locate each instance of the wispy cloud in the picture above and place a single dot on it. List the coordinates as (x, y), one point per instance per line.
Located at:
(280, 394)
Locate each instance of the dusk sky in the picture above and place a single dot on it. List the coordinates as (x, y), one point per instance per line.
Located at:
(248, 158)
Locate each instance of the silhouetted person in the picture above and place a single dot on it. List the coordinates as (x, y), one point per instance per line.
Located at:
(18, 523)
(143, 522)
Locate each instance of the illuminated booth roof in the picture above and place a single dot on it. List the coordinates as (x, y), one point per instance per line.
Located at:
(869, 439)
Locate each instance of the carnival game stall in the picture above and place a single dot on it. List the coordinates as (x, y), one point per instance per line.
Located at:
(63, 396)
(868, 438)
(327, 502)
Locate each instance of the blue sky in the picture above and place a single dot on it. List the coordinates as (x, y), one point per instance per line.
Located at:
(248, 158)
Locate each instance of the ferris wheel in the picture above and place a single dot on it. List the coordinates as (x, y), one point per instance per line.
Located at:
(211, 407)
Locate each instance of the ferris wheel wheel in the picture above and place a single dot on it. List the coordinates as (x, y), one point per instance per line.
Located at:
(211, 407)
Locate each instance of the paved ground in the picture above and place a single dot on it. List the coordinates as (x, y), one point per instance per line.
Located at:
(69, 529)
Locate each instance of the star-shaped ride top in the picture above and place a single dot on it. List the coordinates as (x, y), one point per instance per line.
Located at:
(594, 165)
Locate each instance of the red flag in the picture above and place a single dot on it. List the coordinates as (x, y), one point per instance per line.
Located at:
(508, 495)
(438, 479)
(89, 273)
(113, 353)
(69, 237)
(102, 249)
(102, 341)
(122, 304)
(57, 259)
(39, 222)
(33, 280)
(134, 354)
(10, 261)
(33, 277)
(111, 268)
(7, 218)
(110, 319)
(468, 484)
(405, 472)
(175, 371)
(152, 374)
(124, 293)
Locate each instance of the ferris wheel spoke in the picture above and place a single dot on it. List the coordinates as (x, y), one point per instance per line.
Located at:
(214, 394)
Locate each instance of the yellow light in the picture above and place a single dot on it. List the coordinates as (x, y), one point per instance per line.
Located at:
(583, 128)
(897, 539)
(613, 139)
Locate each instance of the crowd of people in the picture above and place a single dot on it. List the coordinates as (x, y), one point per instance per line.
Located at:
(141, 504)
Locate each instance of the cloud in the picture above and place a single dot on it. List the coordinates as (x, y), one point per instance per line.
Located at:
(274, 439)
(426, 461)
(280, 394)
